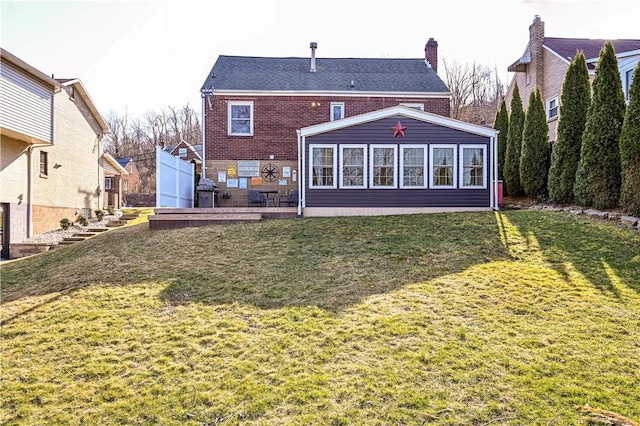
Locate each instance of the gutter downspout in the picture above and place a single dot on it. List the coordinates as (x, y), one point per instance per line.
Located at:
(29, 192)
(300, 174)
(494, 173)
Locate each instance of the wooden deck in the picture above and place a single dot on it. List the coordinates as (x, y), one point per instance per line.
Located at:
(171, 218)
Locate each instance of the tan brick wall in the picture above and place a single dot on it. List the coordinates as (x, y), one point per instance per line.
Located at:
(239, 196)
(46, 218)
(74, 161)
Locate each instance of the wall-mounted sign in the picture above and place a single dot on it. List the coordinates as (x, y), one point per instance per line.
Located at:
(222, 177)
(232, 183)
(286, 172)
(248, 168)
(256, 181)
(242, 183)
(232, 170)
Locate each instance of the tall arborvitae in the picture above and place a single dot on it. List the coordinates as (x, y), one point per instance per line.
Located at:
(534, 156)
(502, 125)
(630, 150)
(598, 176)
(574, 103)
(514, 143)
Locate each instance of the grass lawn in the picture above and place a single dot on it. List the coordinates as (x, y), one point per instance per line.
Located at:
(513, 318)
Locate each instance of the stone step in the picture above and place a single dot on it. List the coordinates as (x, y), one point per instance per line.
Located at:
(74, 238)
(85, 234)
(97, 229)
(129, 216)
(65, 243)
(116, 223)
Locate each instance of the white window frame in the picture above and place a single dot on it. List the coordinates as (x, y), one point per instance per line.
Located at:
(484, 166)
(251, 111)
(335, 166)
(364, 166)
(414, 105)
(454, 164)
(627, 84)
(550, 107)
(107, 183)
(372, 148)
(425, 167)
(182, 152)
(336, 104)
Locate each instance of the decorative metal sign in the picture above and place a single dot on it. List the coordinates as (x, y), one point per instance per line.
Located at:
(270, 172)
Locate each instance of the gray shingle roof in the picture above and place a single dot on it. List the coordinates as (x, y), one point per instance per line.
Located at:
(567, 47)
(332, 74)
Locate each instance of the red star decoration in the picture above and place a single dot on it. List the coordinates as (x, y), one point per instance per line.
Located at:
(398, 129)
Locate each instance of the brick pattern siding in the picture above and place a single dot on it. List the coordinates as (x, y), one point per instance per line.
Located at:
(276, 119)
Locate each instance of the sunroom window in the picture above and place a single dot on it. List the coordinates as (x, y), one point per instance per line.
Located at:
(353, 162)
(473, 168)
(323, 166)
(383, 166)
(413, 163)
(443, 166)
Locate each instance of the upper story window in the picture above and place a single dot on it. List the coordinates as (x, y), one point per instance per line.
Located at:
(442, 166)
(413, 164)
(337, 110)
(416, 106)
(323, 166)
(44, 163)
(552, 108)
(383, 166)
(182, 152)
(125, 185)
(353, 166)
(240, 121)
(107, 183)
(472, 165)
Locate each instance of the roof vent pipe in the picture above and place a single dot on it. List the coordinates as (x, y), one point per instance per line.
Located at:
(313, 47)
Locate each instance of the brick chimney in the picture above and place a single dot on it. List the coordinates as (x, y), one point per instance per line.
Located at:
(431, 53)
(313, 47)
(536, 40)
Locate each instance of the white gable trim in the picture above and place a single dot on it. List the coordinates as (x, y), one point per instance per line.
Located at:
(402, 111)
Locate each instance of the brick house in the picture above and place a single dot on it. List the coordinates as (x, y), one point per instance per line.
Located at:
(131, 181)
(253, 108)
(545, 62)
(114, 183)
(51, 150)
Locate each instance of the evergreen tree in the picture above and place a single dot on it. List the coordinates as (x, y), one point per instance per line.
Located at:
(630, 150)
(534, 156)
(514, 142)
(502, 124)
(598, 177)
(574, 103)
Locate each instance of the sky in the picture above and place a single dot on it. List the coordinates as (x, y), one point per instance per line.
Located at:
(138, 56)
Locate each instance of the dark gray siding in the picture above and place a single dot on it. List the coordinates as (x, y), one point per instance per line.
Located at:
(379, 132)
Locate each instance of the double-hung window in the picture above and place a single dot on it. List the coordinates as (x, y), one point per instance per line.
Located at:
(552, 108)
(107, 183)
(323, 166)
(442, 166)
(383, 166)
(353, 166)
(337, 110)
(413, 165)
(473, 166)
(240, 118)
(182, 152)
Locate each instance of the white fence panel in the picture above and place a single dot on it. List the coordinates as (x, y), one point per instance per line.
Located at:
(174, 181)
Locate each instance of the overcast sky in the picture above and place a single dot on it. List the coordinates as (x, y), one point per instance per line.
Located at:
(147, 55)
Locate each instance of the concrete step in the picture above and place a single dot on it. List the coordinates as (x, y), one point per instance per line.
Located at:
(96, 230)
(129, 216)
(74, 238)
(85, 234)
(116, 223)
(66, 243)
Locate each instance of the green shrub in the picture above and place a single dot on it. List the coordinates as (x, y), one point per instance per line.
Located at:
(99, 214)
(82, 220)
(111, 210)
(65, 223)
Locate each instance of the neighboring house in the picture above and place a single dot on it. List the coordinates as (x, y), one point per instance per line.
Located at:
(185, 151)
(131, 182)
(114, 175)
(254, 106)
(545, 62)
(397, 160)
(51, 150)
